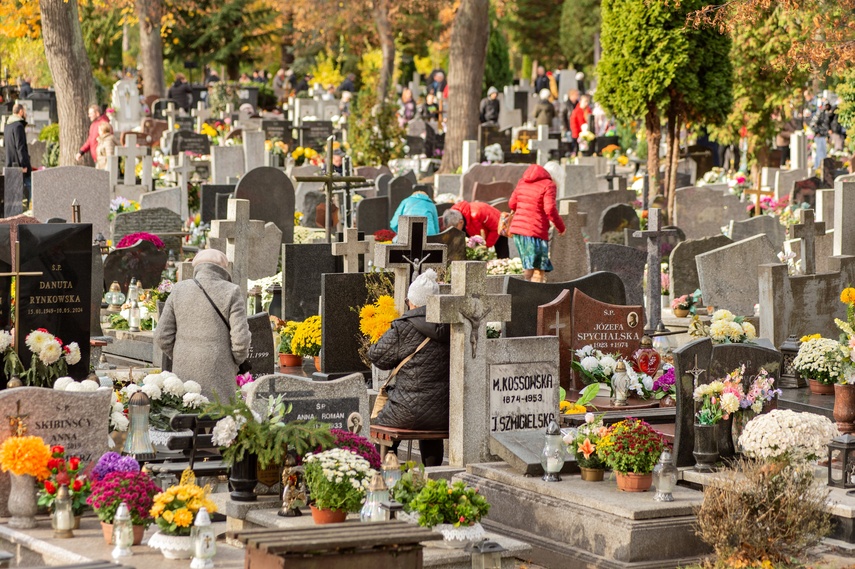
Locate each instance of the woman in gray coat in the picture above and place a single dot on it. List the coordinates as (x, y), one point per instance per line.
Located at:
(197, 339)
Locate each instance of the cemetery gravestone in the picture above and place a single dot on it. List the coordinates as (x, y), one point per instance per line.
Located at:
(767, 225)
(594, 204)
(277, 130)
(235, 231)
(556, 319)
(703, 211)
(314, 134)
(55, 188)
(454, 241)
(400, 188)
(372, 215)
(627, 263)
(568, 252)
(511, 173)
(263, 354)
(97, 291)
(825, 207)
(221, 210)
(725, 286)
(683, 269)
(482, 192)
(578, 179)
(618, 217)
(164, 223)
(271, 198)
(6, 265)
(166, 198)
(340, 345)
(226, 163)
(142, 261)
(208, 197)
(184, 141)
(381, 182)
(844, 212)
(353, 250)
(785, 181)
(13, 192)
(302, 267)
(804, 191)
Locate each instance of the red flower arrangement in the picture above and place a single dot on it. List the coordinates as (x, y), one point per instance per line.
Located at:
(129, 240)
(384, 236)
(354, 443)
(69, 472)
(136, 489)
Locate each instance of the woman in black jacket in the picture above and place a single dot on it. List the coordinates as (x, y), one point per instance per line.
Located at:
(418, 398)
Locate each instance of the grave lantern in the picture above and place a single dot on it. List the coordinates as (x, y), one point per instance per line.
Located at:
(553, 456)
(204, 541)
(123, 532)
(62, 518)
(485, 554)
(790, 377)
(376, 494)
(845, 476)
(101, 241)
(114, 297)
(665, 478)
(134, 310)
(138, 444)
(391, 470)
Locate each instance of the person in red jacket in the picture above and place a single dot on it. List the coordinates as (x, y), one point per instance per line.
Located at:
(478, 218)
(579, 116)
(91, 145)
(534, 206)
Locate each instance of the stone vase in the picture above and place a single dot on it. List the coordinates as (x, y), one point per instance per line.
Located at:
(243, 478)
(844, 407)
(726, 448)
(22, 501)
(706, 447)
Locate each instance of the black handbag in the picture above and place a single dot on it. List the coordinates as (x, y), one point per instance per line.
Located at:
(244, 367)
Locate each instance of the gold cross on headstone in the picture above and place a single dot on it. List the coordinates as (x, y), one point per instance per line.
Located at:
(16, 272)
(757, 192)
(17, 428)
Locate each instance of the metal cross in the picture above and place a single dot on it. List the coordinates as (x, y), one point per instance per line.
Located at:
(757, 192)
(16, 272)
(654, 234)
(695, 372)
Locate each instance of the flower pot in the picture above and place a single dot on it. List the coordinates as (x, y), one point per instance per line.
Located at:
(706, 448)
(726, 448)
(818, 388)
(326, 516)
(592, 474)
(76, 522)
(107, 529)
(172, 546)
(22, 502)
(317, 363)
(290, 360)
(740, 419)
(457, 537)
(243, 478)
(667, 401)
(680, 312)
(844, 407)
(633, 482)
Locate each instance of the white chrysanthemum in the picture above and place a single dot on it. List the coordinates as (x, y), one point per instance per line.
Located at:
(719, 330)
(191, 386)
(585, 351)
(154, 393)
(118, 407)
(154, 379)
(36, 340)
(194, 400)
(173, 386)
(589, 363)
(73, 355)
(749, 330)
(5, 340)
(89, 385)
(50, 352)
(787, 434)
(74, 387)
(723, 314)
(61, 383)
(130, 389)
(729, 403)
(118, 421)
(224, 432)
(734, 331)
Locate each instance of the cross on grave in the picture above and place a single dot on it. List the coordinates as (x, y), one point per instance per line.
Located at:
(467, 309)
(409, 256)
(416, 85)
(170, 113)
(227, 114)
(695, 373)
(654, 234)
(16, 272)
(352, 248)
(131, 152)
(182, 172)
(235, 230)
(757, 192)
(524, 136)
(543, 144)
(807, 231)
(201, 114)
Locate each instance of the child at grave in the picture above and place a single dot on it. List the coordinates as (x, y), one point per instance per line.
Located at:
(106, 145)
(203, 327)
(418, 204)
(418, 351)
(478, 218)
(533, 206)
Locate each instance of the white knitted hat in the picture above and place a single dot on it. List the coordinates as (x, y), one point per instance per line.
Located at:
(422, 287)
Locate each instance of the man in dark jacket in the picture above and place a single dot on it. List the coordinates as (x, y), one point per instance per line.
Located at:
(490, 107)
(15, 140)
(26, 88)
(821, 126)
(181, 92)
(349, 84)
(541, 81)
(419, 398)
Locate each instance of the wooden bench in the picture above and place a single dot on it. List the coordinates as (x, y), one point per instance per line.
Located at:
(386, 436)
(201, 455)
(348, 545)
(89, 565)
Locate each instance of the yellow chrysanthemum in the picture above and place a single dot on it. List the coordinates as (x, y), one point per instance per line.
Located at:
(804, 339)
(848, 295)
(183, 517)
(168, 516)
(156, 509)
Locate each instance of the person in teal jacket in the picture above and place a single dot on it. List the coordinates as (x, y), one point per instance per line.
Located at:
(418, 204)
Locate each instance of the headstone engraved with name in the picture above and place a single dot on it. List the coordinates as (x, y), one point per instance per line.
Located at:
(262, 352)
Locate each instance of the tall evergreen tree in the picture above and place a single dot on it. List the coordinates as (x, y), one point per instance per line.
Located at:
(535, 29)
(497, 69)
(580, 21)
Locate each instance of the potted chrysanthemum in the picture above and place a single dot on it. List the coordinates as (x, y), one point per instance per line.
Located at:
(820, 360)
(631, 448)
(337, 480)
(174, 511)
(306, 341)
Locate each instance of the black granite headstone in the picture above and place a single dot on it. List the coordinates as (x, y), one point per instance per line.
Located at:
(314, 134)
(209, 193)
(527, 296)
(60, 299)
(277, 129)
(373, 214)
(455, 240)
(302, 267)
(262, 352)
(97, 291)
(400, 188)
(271, 198)
(189, 141)
(341, 293)
(221, 209)
(489, 135)
(5, 282)
(13, 192)
(142, 261)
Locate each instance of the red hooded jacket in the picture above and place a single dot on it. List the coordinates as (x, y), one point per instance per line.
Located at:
(533, 204)
(479, 217)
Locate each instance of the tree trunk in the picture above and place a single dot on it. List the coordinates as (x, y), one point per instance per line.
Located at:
(654, 137)
(286, 56)
(150, 13)
(71, 72)
(467, 57)
(380, 13)
(673, 158)
(669, 142)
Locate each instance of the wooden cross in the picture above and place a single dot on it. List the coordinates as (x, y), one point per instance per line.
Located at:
(352, 248)
(757, 192)
(170, 113)
(807, 231)
(543, 144)
(201, 113)
(182, 174)
(467, 310)
(235, 230)
(131, 152)
(654, 235)
(16, 272)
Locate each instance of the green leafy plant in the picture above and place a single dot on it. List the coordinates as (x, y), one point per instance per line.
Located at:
(631, 446)
(460, 505)
(411, 483)
(373, 131)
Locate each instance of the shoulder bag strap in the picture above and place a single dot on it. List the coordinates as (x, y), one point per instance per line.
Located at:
(404, 362)
(220, 314)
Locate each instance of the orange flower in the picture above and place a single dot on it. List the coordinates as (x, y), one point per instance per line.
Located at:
(587, 449)
(847, 296)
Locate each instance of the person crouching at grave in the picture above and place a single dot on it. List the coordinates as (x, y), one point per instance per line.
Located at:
(417, 204)
(106, 145)
(481, 219)
(203, 327)
(419, 352)
(533, 206)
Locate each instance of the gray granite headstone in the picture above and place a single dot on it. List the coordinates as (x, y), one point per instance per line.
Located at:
(618, 217)
(567, 252)
(759, 225)
(626, 262)
(309, 207)
(271, 198)
(511, 173)
(381, 182)
(13, 192)
(527, 296)
(400, 188)
(341, 297)
(483, 192)
(78, 421)
(682, 266)
(578, 179)
(226, 162)
(455, 240)
(55, 188)
(142, 261)
(302, 267)
(157, 221)
(785, 181)
(262, 353)
(208, 197)
(729, 275)
(343, 403)
(373, 214)
(704, 211)
(169, 198)
(593, 204)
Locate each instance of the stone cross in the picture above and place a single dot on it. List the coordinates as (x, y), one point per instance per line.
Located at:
(201, 113)
(543, 144)
(170, 113)
(409, 256)
(230, 110)
(236, 231)
(416, 85)
(467, 309)
(808, 230)
(470, 154)
(131, 152)
(654, 234)
(182, 172)
(352, 248)
(844, 213)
